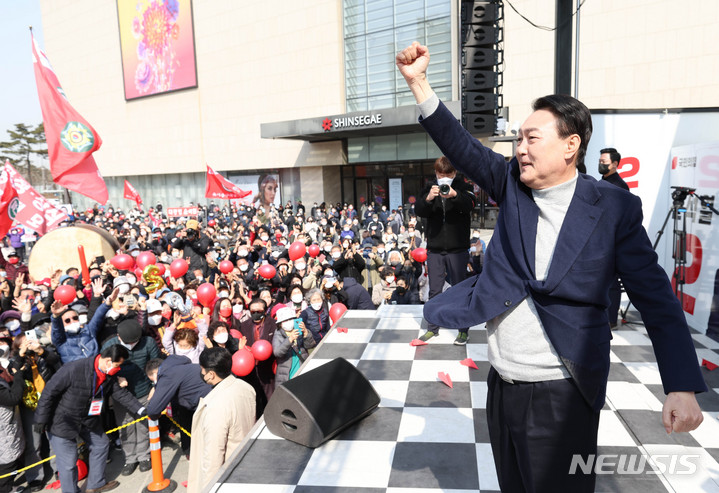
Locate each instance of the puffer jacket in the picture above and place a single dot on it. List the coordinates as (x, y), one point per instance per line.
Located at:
(284, 350)
(72, 347)
(65, 402)
(12, 440)
(318, 323)
(133, 368)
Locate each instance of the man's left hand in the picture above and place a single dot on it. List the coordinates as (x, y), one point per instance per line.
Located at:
(681, 412)
(451, 194)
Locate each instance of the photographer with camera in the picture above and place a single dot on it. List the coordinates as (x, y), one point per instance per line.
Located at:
(447, 207)
(194, 246)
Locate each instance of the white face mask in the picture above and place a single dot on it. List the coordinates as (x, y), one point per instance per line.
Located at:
(444, 181)
(73, 328)
(124, 288)
(4, 350)
(244, 267)
(82, 319)
(236, 309)
(154, 319)
(242, 253)
(296, 298)
(175, 254)
(300, 266)
(182, 352)
(128, 346)
(316, 306)
(221, 338)
(390, 279)
(223, 294)
(336, 255)
(288, 325)
(12, 325)
(264, 237)
(380, 250)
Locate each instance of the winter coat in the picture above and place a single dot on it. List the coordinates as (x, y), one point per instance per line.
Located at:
(357, 296)
(133, 368)
(379, 290)
(318, 323)
(178, 381)
(48, 363)
(284, 350)
(371, 272)
(264, 372)
(169, 344)
(65, 402)
(72, 347)
(221, 421)
(12, 440)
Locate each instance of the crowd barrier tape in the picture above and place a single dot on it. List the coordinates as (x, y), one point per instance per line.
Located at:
(15, 473)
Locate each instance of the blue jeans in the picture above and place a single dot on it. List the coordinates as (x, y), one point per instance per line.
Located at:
(66, 459)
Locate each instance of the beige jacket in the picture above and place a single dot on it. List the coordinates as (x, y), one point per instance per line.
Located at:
(222, 419)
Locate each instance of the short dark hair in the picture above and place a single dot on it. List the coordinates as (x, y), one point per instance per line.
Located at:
(217, 359)
(116, 352)
(613, 154)
(153, 365)
(259, 300)
(444, 166)
(573, 117)
(213, 327)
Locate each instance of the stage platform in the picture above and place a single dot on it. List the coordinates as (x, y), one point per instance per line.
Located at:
(427, 437)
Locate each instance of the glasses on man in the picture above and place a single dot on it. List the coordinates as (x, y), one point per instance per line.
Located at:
(68, 320)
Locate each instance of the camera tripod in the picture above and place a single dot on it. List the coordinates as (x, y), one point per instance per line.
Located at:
(679, 252)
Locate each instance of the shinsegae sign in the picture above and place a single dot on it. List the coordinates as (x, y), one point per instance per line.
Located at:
(355, 121)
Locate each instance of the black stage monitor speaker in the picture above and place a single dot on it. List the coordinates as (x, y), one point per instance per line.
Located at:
(315, 406)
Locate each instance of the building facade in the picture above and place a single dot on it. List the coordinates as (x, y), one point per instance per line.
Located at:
(308, 91)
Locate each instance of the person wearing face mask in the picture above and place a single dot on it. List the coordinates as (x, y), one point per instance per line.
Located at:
(447, 206)
(185, 341)
(135, 439)
(222, 312)
(297, 299)
(35, 365)
(402, 294)
(156, 322)
(218, 335)
(71, 406)
(382, 292)
(316, 316)
(260, 326)
(12, 441)
(73, 340)
(290, 344)
(350, 263)
(221, 421)
(194, 245)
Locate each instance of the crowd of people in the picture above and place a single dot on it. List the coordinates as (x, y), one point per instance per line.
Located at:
(121, 351)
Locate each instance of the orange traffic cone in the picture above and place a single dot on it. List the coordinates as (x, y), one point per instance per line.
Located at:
(159, 482)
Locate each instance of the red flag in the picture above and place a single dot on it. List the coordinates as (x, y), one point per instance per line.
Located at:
(31, 209)
(219, 187)
(131, 194)
(8, 203)
(71, 140)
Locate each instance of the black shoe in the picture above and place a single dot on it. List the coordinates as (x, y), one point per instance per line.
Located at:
(129, 469)
(36, 485)
(145, 466)
(110, 485)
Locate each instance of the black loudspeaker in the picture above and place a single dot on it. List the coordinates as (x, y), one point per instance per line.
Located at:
(315, 406)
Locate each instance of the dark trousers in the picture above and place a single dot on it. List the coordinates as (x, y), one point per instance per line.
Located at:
(615, 297)
(6, 483)
(535, 429)
(451, 267)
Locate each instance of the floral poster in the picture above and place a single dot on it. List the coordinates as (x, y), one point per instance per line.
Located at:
(158, 46)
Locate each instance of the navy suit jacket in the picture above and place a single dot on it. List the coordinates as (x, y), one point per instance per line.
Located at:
(601, 237)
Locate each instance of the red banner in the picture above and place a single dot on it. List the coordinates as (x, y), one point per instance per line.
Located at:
(71, 140)
(192, 211)
(131, 194)
(29, 208)
(219, 187)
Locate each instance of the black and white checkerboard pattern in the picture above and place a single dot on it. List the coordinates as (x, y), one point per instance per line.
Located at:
(426, 437)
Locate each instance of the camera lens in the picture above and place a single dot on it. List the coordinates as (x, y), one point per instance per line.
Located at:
(444, 189)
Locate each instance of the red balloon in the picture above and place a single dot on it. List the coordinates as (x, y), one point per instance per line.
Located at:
(122, 261)
(64, 294)
(178, 267)
(138, 273)
(267, 271)
(243, 362)
(336, 311)
(226, 266)
(297, 250)
(162, 269)
(144, 259)
(419, 254)
(81, 469)
(314, 250)
(236, 334)
(211, 223)
(206, 294)
(262, 350)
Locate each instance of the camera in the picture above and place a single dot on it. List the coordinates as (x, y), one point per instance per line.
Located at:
(443, 189)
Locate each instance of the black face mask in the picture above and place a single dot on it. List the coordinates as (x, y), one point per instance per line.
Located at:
(257, 316)
(603, 169)
(401, 290)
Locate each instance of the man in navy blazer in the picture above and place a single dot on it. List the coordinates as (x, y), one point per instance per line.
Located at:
(561, 239)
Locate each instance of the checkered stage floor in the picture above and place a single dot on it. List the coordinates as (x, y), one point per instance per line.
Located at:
(426, 437)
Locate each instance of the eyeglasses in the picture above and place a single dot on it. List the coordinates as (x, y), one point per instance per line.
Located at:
(71, 319)
(262, 312)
